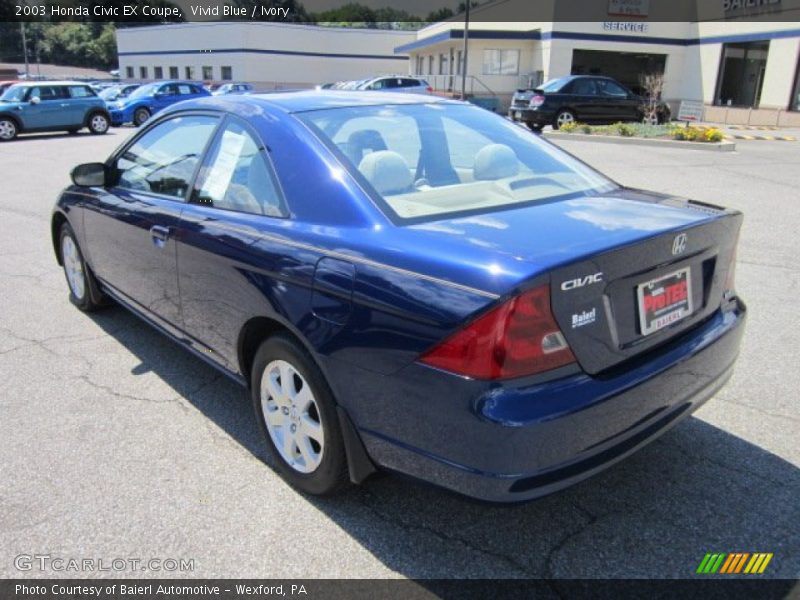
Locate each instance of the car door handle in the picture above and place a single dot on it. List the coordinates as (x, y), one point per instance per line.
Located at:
(160, 235)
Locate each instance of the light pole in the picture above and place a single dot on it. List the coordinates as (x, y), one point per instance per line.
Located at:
(466, 47)
(25, 48)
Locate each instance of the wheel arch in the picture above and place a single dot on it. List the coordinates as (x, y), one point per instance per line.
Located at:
(95, 111)
(258, 329)
(14, 118)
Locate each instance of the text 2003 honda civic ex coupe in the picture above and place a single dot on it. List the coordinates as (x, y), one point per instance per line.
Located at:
(411, 284)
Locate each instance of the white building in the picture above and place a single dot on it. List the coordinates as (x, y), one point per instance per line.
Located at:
(743, 71)
(270, 55)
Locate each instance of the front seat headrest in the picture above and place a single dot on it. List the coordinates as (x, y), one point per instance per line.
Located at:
(495, 161)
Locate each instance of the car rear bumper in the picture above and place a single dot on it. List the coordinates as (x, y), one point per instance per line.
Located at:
(511, 443)
(533, 116)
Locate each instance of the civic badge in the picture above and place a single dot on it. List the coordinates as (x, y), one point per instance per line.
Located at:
(679, 244)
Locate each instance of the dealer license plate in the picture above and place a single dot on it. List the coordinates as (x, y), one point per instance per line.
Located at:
(664, 300)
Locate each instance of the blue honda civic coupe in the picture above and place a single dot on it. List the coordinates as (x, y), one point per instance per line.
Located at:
(410, 284)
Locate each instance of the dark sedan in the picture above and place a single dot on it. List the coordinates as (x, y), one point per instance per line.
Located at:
(588, 99)
(410, 283)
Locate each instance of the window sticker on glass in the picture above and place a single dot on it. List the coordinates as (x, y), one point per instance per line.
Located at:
(219, 178)
(184, 90)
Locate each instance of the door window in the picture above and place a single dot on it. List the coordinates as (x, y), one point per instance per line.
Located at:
(609, 88)
(168, 90)
(238, 176)
(48, 92)
(584, 87)
(164, 159)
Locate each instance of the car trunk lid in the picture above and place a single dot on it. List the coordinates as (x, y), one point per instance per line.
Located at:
(618, 304)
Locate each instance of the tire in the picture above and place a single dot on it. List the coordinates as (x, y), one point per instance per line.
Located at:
(535, 127)
(140, 115)
(83, 289)
(562, 118)
(315, 463)
(98, 123)
(8, 129)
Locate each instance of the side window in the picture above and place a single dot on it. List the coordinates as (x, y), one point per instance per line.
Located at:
(47, 93)
(168, 90)
(584, 87)
(361, 136)
(186, 90)
(80, 91)
(609, 88)
(164, 159)
(237, 176)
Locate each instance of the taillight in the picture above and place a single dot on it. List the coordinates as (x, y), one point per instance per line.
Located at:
(537, 100)
(429, 89)
(519, 337)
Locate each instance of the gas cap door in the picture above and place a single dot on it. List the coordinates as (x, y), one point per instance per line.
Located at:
(332, 295)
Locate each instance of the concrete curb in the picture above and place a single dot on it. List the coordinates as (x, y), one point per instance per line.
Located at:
(617, 139)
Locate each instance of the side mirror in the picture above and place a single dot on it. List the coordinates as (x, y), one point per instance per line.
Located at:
(35, 100)
(90, 175)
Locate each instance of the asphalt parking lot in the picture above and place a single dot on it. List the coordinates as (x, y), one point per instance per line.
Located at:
(116, 443)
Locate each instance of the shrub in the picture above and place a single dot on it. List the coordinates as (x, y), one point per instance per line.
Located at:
(713, 135)
(624, 129)
(587, 129)
(689, 134)
(570, 127)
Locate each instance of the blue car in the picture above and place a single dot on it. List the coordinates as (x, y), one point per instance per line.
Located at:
(410, 284)
(147, 100)
(51, 106)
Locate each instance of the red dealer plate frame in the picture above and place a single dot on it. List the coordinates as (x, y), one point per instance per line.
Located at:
(664, 300)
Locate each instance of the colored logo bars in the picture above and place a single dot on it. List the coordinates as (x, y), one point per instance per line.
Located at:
(735, 562)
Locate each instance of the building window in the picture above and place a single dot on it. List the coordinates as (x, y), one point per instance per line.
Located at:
(501, 62)
(129, 72)
(208, 73)
(741, 73)
(227, 73)
(189, 72)
(173, 72)
(460, 63)
(430, 65)
(143, 72)
(442, 64)
(158, 72)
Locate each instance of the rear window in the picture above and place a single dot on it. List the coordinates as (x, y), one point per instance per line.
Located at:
(424, 161)
(554, 85)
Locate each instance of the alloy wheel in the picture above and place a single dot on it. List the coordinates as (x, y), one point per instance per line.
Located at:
(7, 129)
(73, 267)
(565, 118)
(99, 124)
(292, 416)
